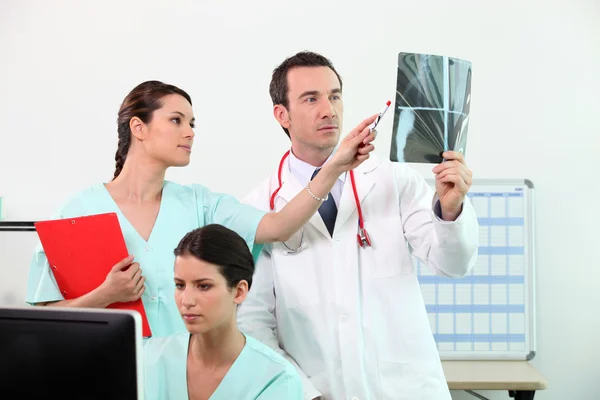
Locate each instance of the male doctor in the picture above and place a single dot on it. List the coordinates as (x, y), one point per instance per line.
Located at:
(351, 318)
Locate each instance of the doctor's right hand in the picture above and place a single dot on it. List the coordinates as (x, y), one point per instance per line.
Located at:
(124, 283)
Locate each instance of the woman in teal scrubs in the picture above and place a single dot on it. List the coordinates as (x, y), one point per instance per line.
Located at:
(156, 131)
(213, 359)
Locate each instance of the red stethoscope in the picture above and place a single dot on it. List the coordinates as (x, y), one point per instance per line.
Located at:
(362, 236)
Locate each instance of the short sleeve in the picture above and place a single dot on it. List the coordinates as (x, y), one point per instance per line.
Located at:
(286, 385)
(41, 284)
(226, 210)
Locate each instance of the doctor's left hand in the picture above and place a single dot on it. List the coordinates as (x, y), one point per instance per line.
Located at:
(355, 147)
(452, 182)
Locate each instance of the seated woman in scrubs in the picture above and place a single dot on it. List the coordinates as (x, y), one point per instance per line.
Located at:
(156, 131)
(213, 359)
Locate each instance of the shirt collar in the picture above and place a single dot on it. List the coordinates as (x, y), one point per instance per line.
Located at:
(303, 171)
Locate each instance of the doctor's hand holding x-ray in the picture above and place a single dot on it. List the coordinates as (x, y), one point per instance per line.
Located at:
(452, 182)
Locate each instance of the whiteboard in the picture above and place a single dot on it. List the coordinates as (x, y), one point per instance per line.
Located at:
(490, 312)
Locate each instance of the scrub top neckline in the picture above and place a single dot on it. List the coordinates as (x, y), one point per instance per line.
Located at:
(227, 374)
(157, 221)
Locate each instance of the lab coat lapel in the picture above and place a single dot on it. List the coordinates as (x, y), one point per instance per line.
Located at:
(290, 188)
(364, 184)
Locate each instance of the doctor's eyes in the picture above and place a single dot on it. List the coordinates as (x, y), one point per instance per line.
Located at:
(334, 97)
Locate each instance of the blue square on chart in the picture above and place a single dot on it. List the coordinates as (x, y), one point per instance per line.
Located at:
(463, 294)
(482, 265)
(481, 294)
(517, 324)
(481, 324)
(516, 265)
(498, 236)
(516, 294)
(499, 324)
(498, 207)
(515, 236)
(499, 264)
(516, 207)
(446, 324)
(463, 324)
(499, 294)
(499, 346)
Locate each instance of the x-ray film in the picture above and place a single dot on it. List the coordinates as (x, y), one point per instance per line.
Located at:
(431, 115)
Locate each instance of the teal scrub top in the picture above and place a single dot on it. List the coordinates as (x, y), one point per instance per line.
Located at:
(182, 209)
(257, 373)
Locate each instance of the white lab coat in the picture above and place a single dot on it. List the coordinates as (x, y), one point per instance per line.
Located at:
(353, 319)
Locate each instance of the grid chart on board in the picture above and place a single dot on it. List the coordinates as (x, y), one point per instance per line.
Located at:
(485, 311)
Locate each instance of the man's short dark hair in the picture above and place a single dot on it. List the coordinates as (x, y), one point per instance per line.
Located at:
(278, 89)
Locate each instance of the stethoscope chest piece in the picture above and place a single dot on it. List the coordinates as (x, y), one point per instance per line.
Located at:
(363, 238)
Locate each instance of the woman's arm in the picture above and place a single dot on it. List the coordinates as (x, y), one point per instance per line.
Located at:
(93, 299)
(123, 283)
(353, 150)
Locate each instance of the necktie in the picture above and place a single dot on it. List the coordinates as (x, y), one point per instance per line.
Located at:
(328, 209)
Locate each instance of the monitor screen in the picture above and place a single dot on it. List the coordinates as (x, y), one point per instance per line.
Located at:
(17, 244)
(70, 353)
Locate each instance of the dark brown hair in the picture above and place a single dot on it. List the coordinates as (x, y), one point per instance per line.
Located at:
(278, 89)
(141, 102)
(218, 245)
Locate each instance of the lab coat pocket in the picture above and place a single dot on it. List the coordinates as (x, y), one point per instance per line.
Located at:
(388, 255)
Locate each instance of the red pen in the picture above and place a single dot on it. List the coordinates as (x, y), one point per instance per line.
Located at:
(374, 124)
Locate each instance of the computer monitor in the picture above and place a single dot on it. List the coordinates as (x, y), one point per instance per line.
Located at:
(70, 353)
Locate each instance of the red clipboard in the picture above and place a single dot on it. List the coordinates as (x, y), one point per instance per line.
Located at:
(81, 251)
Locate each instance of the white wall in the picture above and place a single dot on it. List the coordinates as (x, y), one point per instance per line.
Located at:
(66, 66)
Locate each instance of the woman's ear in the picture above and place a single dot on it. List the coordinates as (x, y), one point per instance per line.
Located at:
(138, 128)
(241, 290)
